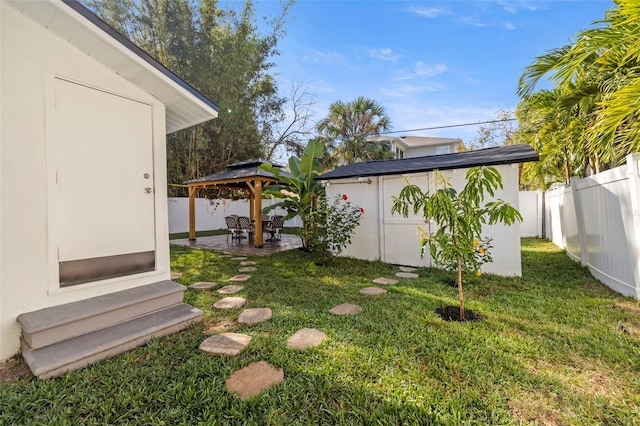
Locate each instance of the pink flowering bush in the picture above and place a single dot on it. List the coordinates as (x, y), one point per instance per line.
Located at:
(334, 225)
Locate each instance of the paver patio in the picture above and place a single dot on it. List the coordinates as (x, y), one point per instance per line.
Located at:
(224, 244)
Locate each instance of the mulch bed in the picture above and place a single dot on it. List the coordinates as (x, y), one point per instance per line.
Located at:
(452, 313)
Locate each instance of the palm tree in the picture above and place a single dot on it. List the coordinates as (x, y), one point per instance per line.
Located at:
(598, 82)
(348, 127)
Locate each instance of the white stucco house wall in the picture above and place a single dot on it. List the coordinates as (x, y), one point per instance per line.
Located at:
(392, 238)
(420, 146)
(84, 115)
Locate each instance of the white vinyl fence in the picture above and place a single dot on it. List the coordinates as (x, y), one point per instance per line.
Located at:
(597, 221)
(531, 208)
(210, 215)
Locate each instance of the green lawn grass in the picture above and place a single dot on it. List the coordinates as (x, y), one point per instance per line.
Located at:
(555, 347)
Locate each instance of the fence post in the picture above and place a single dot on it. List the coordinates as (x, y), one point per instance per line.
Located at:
(540, 214)
(582, 231)
(632, 218)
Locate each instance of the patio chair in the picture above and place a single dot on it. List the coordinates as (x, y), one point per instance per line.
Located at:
(245, 225)
(274, 228)
(232, 228)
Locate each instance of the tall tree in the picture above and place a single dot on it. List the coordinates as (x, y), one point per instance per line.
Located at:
(349, 125)
(597, 89)
(223, 54)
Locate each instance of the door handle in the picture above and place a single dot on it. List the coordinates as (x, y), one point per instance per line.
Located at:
(148, 190)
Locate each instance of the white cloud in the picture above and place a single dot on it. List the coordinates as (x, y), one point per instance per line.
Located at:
(468, 20)
(317, 57)
(384, 54)
(508, 26)
(430, 12)
(426, 70)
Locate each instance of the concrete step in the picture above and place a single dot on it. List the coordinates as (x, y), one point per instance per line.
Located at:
(59, 323)
(87, 349)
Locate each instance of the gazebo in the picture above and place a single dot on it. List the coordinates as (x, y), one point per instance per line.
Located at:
(245, 176)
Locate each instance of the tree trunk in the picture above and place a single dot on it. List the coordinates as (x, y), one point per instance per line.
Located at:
(460, 293)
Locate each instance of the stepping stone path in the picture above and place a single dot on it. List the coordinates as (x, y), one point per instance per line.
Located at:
(306, 338)
(203, 285)
(248, 262)
(248, 269)
(230, 303)
(230, 344)
(230, 289)
(239, 258)
(407, 275)
(255, 315)
(176, 275)
(372, 291)
(239, 278)
(385, 281)
(253, 379)
(407, 269)
(346, 309)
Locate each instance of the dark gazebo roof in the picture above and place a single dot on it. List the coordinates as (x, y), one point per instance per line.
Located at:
(507, 154)
(236, 174)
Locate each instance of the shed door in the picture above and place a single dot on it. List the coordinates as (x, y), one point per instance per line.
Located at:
(402, 236)
(104, 184)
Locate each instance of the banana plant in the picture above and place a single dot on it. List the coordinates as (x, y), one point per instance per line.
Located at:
(298, 190)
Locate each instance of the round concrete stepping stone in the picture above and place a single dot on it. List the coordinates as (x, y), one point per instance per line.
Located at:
(239, 258)
(176, 275)
(346, 309)
(239, 278)
(248, 262)
(254, 315)
(372, 291)
(248, 269)
(225, 344)
(230, 303)
(306, 338)
(230, 289)
(407, 269)
(407, 275)
(385, 281)
(203, 285)
(253, 379)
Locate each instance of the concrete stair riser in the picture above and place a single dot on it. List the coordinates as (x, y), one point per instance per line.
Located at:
(87, 349)
(59, 323)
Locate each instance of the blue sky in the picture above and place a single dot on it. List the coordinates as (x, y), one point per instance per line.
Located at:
(428, 63)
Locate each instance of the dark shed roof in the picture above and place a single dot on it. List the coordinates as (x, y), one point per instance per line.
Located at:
(507, 154)
(240, 171)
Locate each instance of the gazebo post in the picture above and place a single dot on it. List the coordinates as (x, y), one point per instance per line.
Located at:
(257, 195)
(193, 190)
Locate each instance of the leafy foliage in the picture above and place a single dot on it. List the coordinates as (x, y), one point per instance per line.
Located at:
(589, 117)
(332, 225)
(298, 191)
(348, 130)
(457, 243)
(223, 54)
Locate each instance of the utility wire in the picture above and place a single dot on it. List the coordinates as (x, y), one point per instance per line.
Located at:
(451, 125)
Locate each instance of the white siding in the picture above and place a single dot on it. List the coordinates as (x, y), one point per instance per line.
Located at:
(391, 238)
(31, 58)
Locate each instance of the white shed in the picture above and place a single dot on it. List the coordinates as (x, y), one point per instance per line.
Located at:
(83, 218)
(394, 239)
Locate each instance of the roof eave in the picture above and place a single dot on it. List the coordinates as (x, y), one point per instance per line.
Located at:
(77, 25)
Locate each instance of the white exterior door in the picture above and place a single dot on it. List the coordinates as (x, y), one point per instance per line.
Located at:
(402, 236)
(104, 195)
